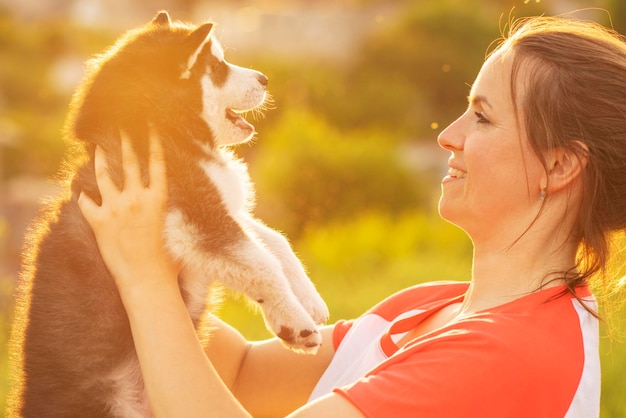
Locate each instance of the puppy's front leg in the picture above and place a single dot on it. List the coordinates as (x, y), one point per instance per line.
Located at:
(298, 280)
(247, 266)
(242, 263)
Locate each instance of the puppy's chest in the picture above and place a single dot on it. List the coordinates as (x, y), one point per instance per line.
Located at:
(230, 177)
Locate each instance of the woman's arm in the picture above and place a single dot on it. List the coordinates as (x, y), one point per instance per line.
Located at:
(180, 380)
(274, 381)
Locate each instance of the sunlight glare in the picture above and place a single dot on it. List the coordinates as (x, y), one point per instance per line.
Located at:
(248, 19)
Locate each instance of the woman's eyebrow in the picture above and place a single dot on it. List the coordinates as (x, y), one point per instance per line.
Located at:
(479, 100)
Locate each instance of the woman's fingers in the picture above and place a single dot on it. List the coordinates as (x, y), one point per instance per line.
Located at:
(130, 163)
(89, 208)
(103, 179)
(157, 167)
(135, 198)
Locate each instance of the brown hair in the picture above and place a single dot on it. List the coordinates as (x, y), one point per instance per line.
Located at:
(576, 94)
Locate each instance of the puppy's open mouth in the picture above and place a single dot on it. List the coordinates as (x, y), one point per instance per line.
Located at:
(238, 120)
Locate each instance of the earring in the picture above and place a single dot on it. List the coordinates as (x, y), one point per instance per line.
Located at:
(542, 194)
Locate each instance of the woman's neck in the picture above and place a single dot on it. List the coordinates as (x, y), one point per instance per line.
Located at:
(502, 273)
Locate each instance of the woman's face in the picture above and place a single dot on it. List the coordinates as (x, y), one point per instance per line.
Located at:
(494, 181)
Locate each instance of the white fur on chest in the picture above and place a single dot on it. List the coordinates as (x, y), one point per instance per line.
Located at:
(230, 176)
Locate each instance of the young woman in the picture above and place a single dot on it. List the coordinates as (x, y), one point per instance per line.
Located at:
(536, 180)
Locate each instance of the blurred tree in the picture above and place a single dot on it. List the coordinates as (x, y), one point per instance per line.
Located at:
(308, 173)
(412, 76)
(32, 99)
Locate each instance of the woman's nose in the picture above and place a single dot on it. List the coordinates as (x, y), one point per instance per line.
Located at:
(451, 138)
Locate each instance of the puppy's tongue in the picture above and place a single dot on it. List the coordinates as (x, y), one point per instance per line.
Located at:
(238, 120)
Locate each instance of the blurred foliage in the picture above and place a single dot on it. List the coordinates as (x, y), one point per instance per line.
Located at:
(617, 20)
(613, 362)
(414, 72)
(6, 308)
(308, 173)
(33, 100)
(357, 262)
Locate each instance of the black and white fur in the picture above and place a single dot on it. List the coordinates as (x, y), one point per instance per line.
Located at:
(72, 350)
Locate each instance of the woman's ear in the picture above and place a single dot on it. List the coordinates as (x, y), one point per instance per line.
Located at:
(565, 165)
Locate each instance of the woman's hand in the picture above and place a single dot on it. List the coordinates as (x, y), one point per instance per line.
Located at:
(129, 224)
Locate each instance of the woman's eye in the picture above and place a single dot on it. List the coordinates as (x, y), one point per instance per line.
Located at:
(481, 118)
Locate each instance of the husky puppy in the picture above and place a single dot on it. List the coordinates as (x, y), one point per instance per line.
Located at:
(72, 351)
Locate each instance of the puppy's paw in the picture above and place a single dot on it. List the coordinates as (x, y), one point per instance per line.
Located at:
(293, 325)
(316, 307)
(307, 295)
(306, 340)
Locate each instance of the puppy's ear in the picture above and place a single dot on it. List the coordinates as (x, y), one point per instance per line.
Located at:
(200, 35)
(194, 44)
(162, 19)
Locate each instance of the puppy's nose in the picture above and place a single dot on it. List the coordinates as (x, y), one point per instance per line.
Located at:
(262, 79)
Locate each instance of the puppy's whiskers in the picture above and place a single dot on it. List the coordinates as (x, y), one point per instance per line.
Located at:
(268, 104)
